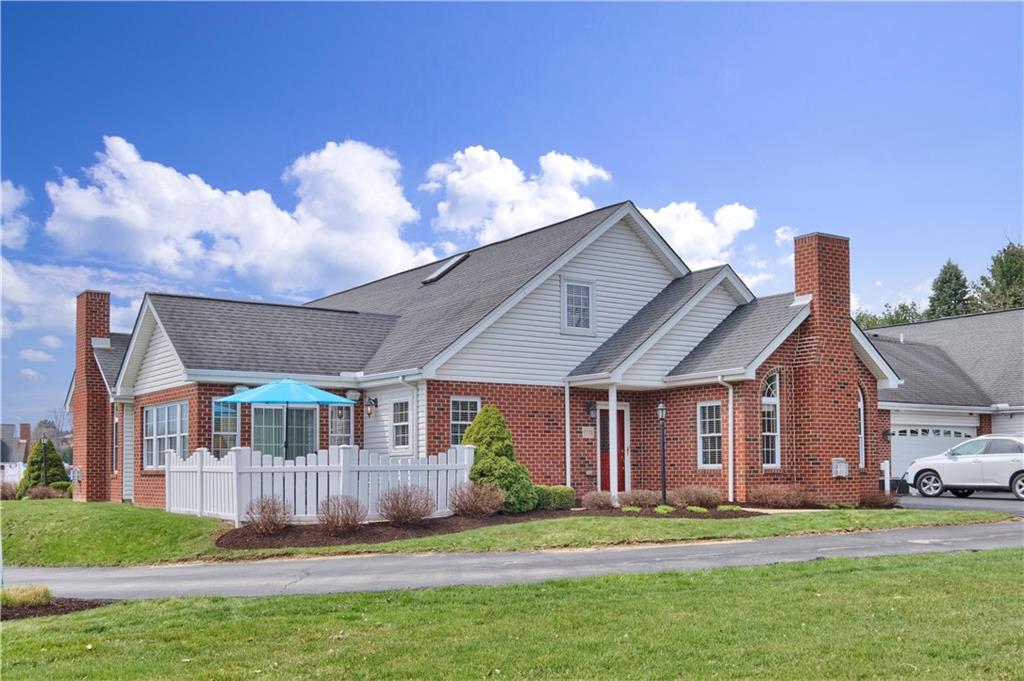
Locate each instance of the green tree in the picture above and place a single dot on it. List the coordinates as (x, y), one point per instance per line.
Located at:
(42, 452)
(490, 435)
(903, 313)
(951, 294)
(1003, 287)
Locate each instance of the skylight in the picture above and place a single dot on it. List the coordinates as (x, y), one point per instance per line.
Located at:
(445, 268)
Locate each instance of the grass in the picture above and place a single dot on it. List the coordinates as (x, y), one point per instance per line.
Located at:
(65, 533)
(933, 616)
(31, 596)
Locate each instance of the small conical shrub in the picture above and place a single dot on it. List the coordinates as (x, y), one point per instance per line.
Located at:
(490, 435)
(33, 476)
(511, 477)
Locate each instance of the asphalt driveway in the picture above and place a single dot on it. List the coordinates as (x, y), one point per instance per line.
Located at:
(979, 501)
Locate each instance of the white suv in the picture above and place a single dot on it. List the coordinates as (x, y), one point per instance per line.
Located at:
(992, 462)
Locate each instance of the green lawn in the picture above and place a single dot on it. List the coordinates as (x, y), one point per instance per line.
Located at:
(932, 616)
(65, 533)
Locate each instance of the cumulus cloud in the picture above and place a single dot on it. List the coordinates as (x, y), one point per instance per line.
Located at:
(13, 222)
(701, 241)
(487, 197)
(31, 375)
(753, 279)
(33, 355)
(347, 226)
(784, 235)
(52, 342)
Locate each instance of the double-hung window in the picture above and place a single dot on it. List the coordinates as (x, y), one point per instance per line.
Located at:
(287, 433)
(770, 444)
(341, 425)
(577, 306)
(165, 427)
(709, 434)
(464, 410)
(225, 428)
(400, 424)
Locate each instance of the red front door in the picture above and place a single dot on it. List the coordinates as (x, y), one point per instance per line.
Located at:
(603, 448)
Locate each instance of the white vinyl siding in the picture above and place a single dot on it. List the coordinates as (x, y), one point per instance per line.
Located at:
(377, 428)
(664, 355)
(128, 448)
(933, 418)
(160, 368)
(1008, 424)
(526, 345)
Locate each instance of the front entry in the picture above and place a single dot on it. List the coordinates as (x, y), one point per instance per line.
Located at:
(603, 449)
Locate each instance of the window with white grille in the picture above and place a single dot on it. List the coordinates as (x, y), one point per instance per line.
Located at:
(709, 434)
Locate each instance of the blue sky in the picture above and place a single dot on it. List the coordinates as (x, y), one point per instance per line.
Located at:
(285, 151)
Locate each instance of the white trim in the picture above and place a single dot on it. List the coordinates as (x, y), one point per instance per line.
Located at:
(183, 408)
(261, 377)
(880, 369)
(213, 425)
(351, 423)
(626, 445)
(701, 377)
(700, 434)
(407, 423)
(147, 307)
(591, 328)
(777, 403)
(451, 408)
(862, 425)
(908, 406)
(568, 436)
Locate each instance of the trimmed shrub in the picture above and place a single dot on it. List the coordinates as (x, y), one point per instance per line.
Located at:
(696, 509)
(40, 492)
(476, 499)
(597, 501)
(664, 509)
(43, 450)
(630, 509)
(490, 435)
(511, 477)
(644, 498)
(31, 596)
(779, 496)
(878, 500)
(729, 507)
(8, 491)
(62, 486)
(267, 515)
(340, 514)
(695, 495)
(405, 505)
(555, 497)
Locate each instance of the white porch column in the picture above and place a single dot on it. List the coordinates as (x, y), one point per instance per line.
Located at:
(613, 442)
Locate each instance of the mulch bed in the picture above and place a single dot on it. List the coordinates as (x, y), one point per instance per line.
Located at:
(59, 606)
(378, 533)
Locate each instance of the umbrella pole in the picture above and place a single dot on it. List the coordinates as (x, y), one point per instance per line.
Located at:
(286, 430)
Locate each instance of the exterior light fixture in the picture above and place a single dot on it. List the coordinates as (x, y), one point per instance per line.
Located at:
(887, 434)
(371, 405)
(592, 409)
(662, 411)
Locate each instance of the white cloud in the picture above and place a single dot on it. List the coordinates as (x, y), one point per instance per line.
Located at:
(756, 278)
(51, 342)
(31, 375)
(487, 197)
(346, 227)
(784, 235)
(33, 355)
(854, 302)
(13, 222)
(878, 283)
(700, 241)
(787, 259)
(757, 263)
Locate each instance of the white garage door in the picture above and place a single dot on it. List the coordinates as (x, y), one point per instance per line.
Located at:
(913, 442)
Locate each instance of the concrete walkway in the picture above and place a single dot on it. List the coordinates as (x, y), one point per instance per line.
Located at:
(384, 572)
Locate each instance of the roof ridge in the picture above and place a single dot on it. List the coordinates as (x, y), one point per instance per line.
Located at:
(299, 306)
(468, 251)
(946, 319)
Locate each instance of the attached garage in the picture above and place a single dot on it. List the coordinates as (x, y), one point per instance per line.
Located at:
(917, 434)
(1008, 424)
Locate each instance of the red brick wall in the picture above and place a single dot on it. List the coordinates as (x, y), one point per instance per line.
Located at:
(90, 402)
(984, 424)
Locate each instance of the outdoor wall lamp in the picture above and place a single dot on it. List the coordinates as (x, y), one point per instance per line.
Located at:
(887, 434)
(592, 409)
(371, 405)
(662, 411)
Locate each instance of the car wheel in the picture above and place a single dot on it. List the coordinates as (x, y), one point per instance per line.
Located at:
(962, 493)
(1017, 486)
(929, 484)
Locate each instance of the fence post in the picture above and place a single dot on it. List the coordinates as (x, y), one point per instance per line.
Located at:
(199, 481)
(168, 474)
(236, 480)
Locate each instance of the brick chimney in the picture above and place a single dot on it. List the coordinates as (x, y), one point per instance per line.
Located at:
(90, 403)
(25, 433)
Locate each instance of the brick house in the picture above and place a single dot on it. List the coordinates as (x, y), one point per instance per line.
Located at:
(561, 328)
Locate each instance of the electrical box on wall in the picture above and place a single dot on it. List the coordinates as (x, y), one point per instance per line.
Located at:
(587, 432)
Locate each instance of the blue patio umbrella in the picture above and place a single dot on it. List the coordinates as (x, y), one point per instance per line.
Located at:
(285, 392)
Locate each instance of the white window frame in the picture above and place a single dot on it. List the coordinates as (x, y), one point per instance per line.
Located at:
(701, 435)
(591, 329)
(407, 423)
(861, 449)
(451, 416)
(213, 426)
(777, 434)
(153, 458)
(284, 424)
(114, 438)
(335, 436)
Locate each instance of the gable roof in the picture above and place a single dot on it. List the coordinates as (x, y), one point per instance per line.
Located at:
(287, 339)
(986, 347)
(738, 341)
(621, 344)
(109, 359)
(929, 376)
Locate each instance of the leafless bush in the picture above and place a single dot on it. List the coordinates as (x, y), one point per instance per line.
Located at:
(644, 498)
(695, 495)
(878, 500)
(406, 505)
(780, 496)
(476, 499)
(338, 514)
(42, 492)
(8, 490)
(267, 515)
(597, 501)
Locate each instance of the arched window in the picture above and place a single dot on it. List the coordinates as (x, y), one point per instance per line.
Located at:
(861, 454)
(771, 449)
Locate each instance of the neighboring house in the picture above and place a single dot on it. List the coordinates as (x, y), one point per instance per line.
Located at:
(560, 328)
(15, 442)
(962, 376)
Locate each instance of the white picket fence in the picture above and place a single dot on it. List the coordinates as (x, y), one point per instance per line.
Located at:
(204, 485)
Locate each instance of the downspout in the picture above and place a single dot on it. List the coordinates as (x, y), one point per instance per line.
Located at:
(414, 416)
(732, 460)
(568, 445)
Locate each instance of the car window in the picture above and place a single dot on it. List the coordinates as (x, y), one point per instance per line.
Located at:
(1004, 446)
(971, 447)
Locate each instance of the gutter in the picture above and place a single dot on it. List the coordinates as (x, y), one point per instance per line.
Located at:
(414, 415)
(732, 460)
(568, 444)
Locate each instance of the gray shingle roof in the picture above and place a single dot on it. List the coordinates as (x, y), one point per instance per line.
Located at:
(232, 335)
(741, 337)
(929, 376)
(109, 359)
(645, 322)
(988, 348)
(434, 315)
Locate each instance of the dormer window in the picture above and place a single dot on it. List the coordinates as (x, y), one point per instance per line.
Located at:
(577, 306)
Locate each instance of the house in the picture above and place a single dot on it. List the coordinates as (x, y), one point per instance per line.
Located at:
(962, 377)
(576, 331)
(15, 442)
